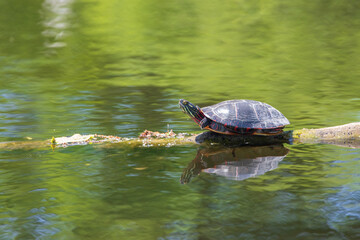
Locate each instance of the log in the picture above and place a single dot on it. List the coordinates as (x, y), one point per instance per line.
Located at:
(347, 135)
(347, 131)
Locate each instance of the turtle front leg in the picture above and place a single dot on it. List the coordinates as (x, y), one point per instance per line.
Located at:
(204, 123)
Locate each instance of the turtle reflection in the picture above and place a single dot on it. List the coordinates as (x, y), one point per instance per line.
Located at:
(235, 163)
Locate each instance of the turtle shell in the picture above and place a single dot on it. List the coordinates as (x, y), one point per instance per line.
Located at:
(245, 114)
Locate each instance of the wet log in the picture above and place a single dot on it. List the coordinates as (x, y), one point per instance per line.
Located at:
(243, 140)
(345, 135)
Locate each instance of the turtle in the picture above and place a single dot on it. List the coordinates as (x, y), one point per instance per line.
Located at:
(237, 117)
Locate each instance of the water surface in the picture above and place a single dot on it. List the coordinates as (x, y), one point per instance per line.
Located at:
(119, 67)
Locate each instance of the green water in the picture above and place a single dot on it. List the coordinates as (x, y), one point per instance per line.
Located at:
(119, 67)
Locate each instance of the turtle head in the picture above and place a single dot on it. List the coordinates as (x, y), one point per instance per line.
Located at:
(192, 110)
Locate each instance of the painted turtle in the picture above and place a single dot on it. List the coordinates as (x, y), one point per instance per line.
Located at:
(237, 117)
